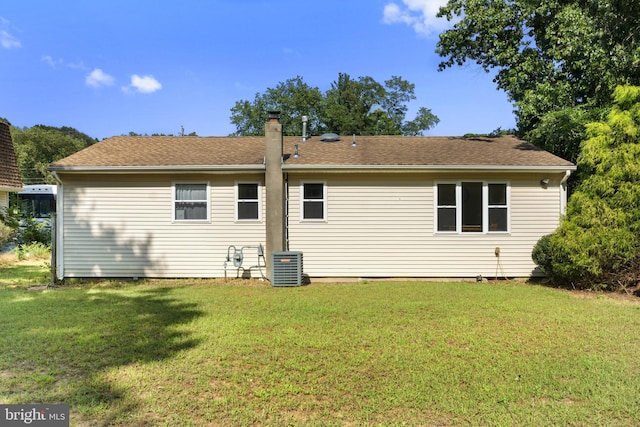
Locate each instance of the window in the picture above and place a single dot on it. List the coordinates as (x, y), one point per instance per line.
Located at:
(498, 210)
(472, 207)
(313, 201)
(248, 202)
(191, 202)
(447, 207)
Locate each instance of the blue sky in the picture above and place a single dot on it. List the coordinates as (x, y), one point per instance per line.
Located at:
(110, 67)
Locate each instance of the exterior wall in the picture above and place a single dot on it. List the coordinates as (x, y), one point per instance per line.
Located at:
(383, 226)
(378, 225)
(4, 199)
(122, 226)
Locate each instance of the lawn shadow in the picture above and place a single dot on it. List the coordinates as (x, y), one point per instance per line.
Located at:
(72, 338)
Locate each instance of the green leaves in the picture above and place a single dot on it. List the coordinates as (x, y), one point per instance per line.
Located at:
(40, 145)
(350, 106)
(548, 55)
(599, 240)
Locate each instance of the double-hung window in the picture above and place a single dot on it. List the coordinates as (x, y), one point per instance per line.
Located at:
(472, 207)
(191, 202)
(498, 207)
(248, 202)
(313, 201)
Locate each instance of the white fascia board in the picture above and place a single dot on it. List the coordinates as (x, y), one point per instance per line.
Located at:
(426, 168)
(156, 169)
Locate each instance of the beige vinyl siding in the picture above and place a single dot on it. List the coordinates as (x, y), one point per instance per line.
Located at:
(4, 199)
(122, 226)
(383, 226)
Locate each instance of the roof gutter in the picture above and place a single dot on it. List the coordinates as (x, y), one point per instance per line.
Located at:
(423, 168)
(156, 169)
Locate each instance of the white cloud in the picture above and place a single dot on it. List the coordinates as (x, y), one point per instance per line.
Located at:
(55, 63)
(143, 84)
(418, 14)
(7, 40)
(98, 78)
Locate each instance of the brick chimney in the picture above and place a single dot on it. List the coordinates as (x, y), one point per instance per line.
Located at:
(274, 185)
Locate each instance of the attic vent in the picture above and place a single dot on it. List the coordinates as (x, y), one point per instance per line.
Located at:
(286, 269)
(329, 137)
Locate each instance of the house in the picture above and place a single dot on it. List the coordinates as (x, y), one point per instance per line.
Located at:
(9, 172)
(365, 206)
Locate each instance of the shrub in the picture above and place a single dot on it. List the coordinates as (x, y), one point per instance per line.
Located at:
(7, 234)
(597, 243)
(32, 231)
(541, 254)
(36, 250)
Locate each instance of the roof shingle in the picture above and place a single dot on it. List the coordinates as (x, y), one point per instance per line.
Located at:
(9, 172)
(373, 151)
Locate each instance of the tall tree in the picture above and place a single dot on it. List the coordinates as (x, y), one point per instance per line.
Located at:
(548, 55)
(40, 145)
(349, 103)
(360, 106)
(293, 98)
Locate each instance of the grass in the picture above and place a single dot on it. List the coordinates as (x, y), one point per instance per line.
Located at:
(20, 268)
(197, 353)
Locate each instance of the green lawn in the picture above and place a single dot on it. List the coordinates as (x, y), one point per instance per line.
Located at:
(380, 353)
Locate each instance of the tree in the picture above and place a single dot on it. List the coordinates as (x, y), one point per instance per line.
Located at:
(598, 242)
(548, 55)
(360, 106)
(40, 145)
(293, 98)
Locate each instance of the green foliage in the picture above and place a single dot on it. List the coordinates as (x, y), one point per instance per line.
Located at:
(293, 98)
(33, 231)
(360, 106)
(542, 255)
(7, 234)
(36, 250)
(599, 240)
(25, 229)
(11, 215)
(548, 55)
(40, 145)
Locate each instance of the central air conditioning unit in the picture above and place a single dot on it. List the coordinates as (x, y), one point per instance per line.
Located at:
(286, 269)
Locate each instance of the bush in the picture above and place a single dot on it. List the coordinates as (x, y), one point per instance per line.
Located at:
(597, 244)
(32, 231)
(36, 250)
(7, 234)
(541, 254)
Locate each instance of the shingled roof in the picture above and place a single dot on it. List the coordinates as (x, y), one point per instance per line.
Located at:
(9, 172)
(203, 153)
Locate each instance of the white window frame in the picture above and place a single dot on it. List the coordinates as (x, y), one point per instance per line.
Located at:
(303, 200)
(258, 201)
(506, 206)
(485, 207)
(174, 201)
(437, 207)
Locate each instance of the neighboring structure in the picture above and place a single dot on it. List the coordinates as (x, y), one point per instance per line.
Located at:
(38, 201)
(9, 172)
(371, 206)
